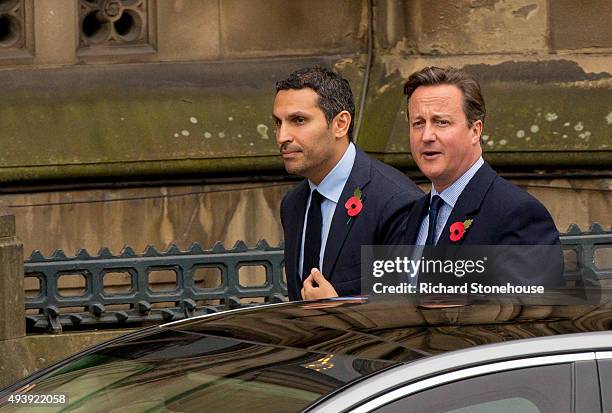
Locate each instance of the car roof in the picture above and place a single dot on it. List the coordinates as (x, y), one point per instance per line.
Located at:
(400, 329)
(323, 346)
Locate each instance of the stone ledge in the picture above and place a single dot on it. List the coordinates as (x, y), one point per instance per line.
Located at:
(23, 356)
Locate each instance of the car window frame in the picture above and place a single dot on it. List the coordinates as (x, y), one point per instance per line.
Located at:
(519, 390)
(356, 394)
(465, 373)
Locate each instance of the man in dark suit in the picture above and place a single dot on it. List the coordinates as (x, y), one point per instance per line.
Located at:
(468, 203)
(347, 199)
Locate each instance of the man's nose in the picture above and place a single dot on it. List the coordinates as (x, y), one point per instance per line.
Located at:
(429, 134)
(283, 134)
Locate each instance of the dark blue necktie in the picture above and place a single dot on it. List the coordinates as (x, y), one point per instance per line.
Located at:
(312, 239)
(434, 208)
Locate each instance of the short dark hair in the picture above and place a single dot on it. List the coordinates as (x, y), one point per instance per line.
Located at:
(473, 102)
(333, 90)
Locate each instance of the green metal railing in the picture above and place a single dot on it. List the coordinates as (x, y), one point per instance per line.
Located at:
(191, 296)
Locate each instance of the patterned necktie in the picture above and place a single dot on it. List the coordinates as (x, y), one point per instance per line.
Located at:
(434, 208)
(312, 239)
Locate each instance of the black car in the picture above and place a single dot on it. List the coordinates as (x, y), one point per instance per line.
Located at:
(474, 354)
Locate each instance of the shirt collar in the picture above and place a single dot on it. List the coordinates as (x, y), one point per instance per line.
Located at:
(450, 194)
(331, 186)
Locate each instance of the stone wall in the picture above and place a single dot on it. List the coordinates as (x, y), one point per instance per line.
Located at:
(184, 87)
(182, 90)
(68, 32)
(158, 216)
(181, 215)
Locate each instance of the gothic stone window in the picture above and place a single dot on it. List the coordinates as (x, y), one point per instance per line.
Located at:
(116, 26)
(16, 33)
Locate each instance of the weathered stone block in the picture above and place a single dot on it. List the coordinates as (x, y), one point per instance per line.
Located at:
(479, 26)
(581, 25)
(55, 32)
(12, 311)
(270, 27)
(188, 30)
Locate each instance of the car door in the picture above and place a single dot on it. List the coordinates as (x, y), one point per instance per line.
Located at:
(551, 384)
(604, 368)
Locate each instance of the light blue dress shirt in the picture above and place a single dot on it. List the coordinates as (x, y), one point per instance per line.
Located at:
(449, 196)
(331, 188)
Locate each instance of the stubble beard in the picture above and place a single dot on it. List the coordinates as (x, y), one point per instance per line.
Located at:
(296, 168)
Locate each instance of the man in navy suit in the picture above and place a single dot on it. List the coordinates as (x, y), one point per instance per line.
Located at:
(347, 199)
(468, 203)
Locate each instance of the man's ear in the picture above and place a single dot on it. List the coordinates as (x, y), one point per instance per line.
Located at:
(476, 129)
(340, 124)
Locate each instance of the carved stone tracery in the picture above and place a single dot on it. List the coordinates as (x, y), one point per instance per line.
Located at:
(113, 23)
(12, 24)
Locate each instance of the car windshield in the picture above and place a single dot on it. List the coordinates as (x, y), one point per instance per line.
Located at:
(177, 372)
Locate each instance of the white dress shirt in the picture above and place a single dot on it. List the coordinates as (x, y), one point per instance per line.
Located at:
(449, 196)
(331, 188)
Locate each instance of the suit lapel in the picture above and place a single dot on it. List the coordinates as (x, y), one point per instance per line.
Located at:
(469, 202)
(419, 210)
(340, 225)
(296, 214)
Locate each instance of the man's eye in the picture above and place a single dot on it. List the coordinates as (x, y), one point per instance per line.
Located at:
(443, 122)
(299, 121)
(417, 124)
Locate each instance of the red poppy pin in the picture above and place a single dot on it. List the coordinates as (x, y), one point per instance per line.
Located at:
(457, 229)
(354, 205)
